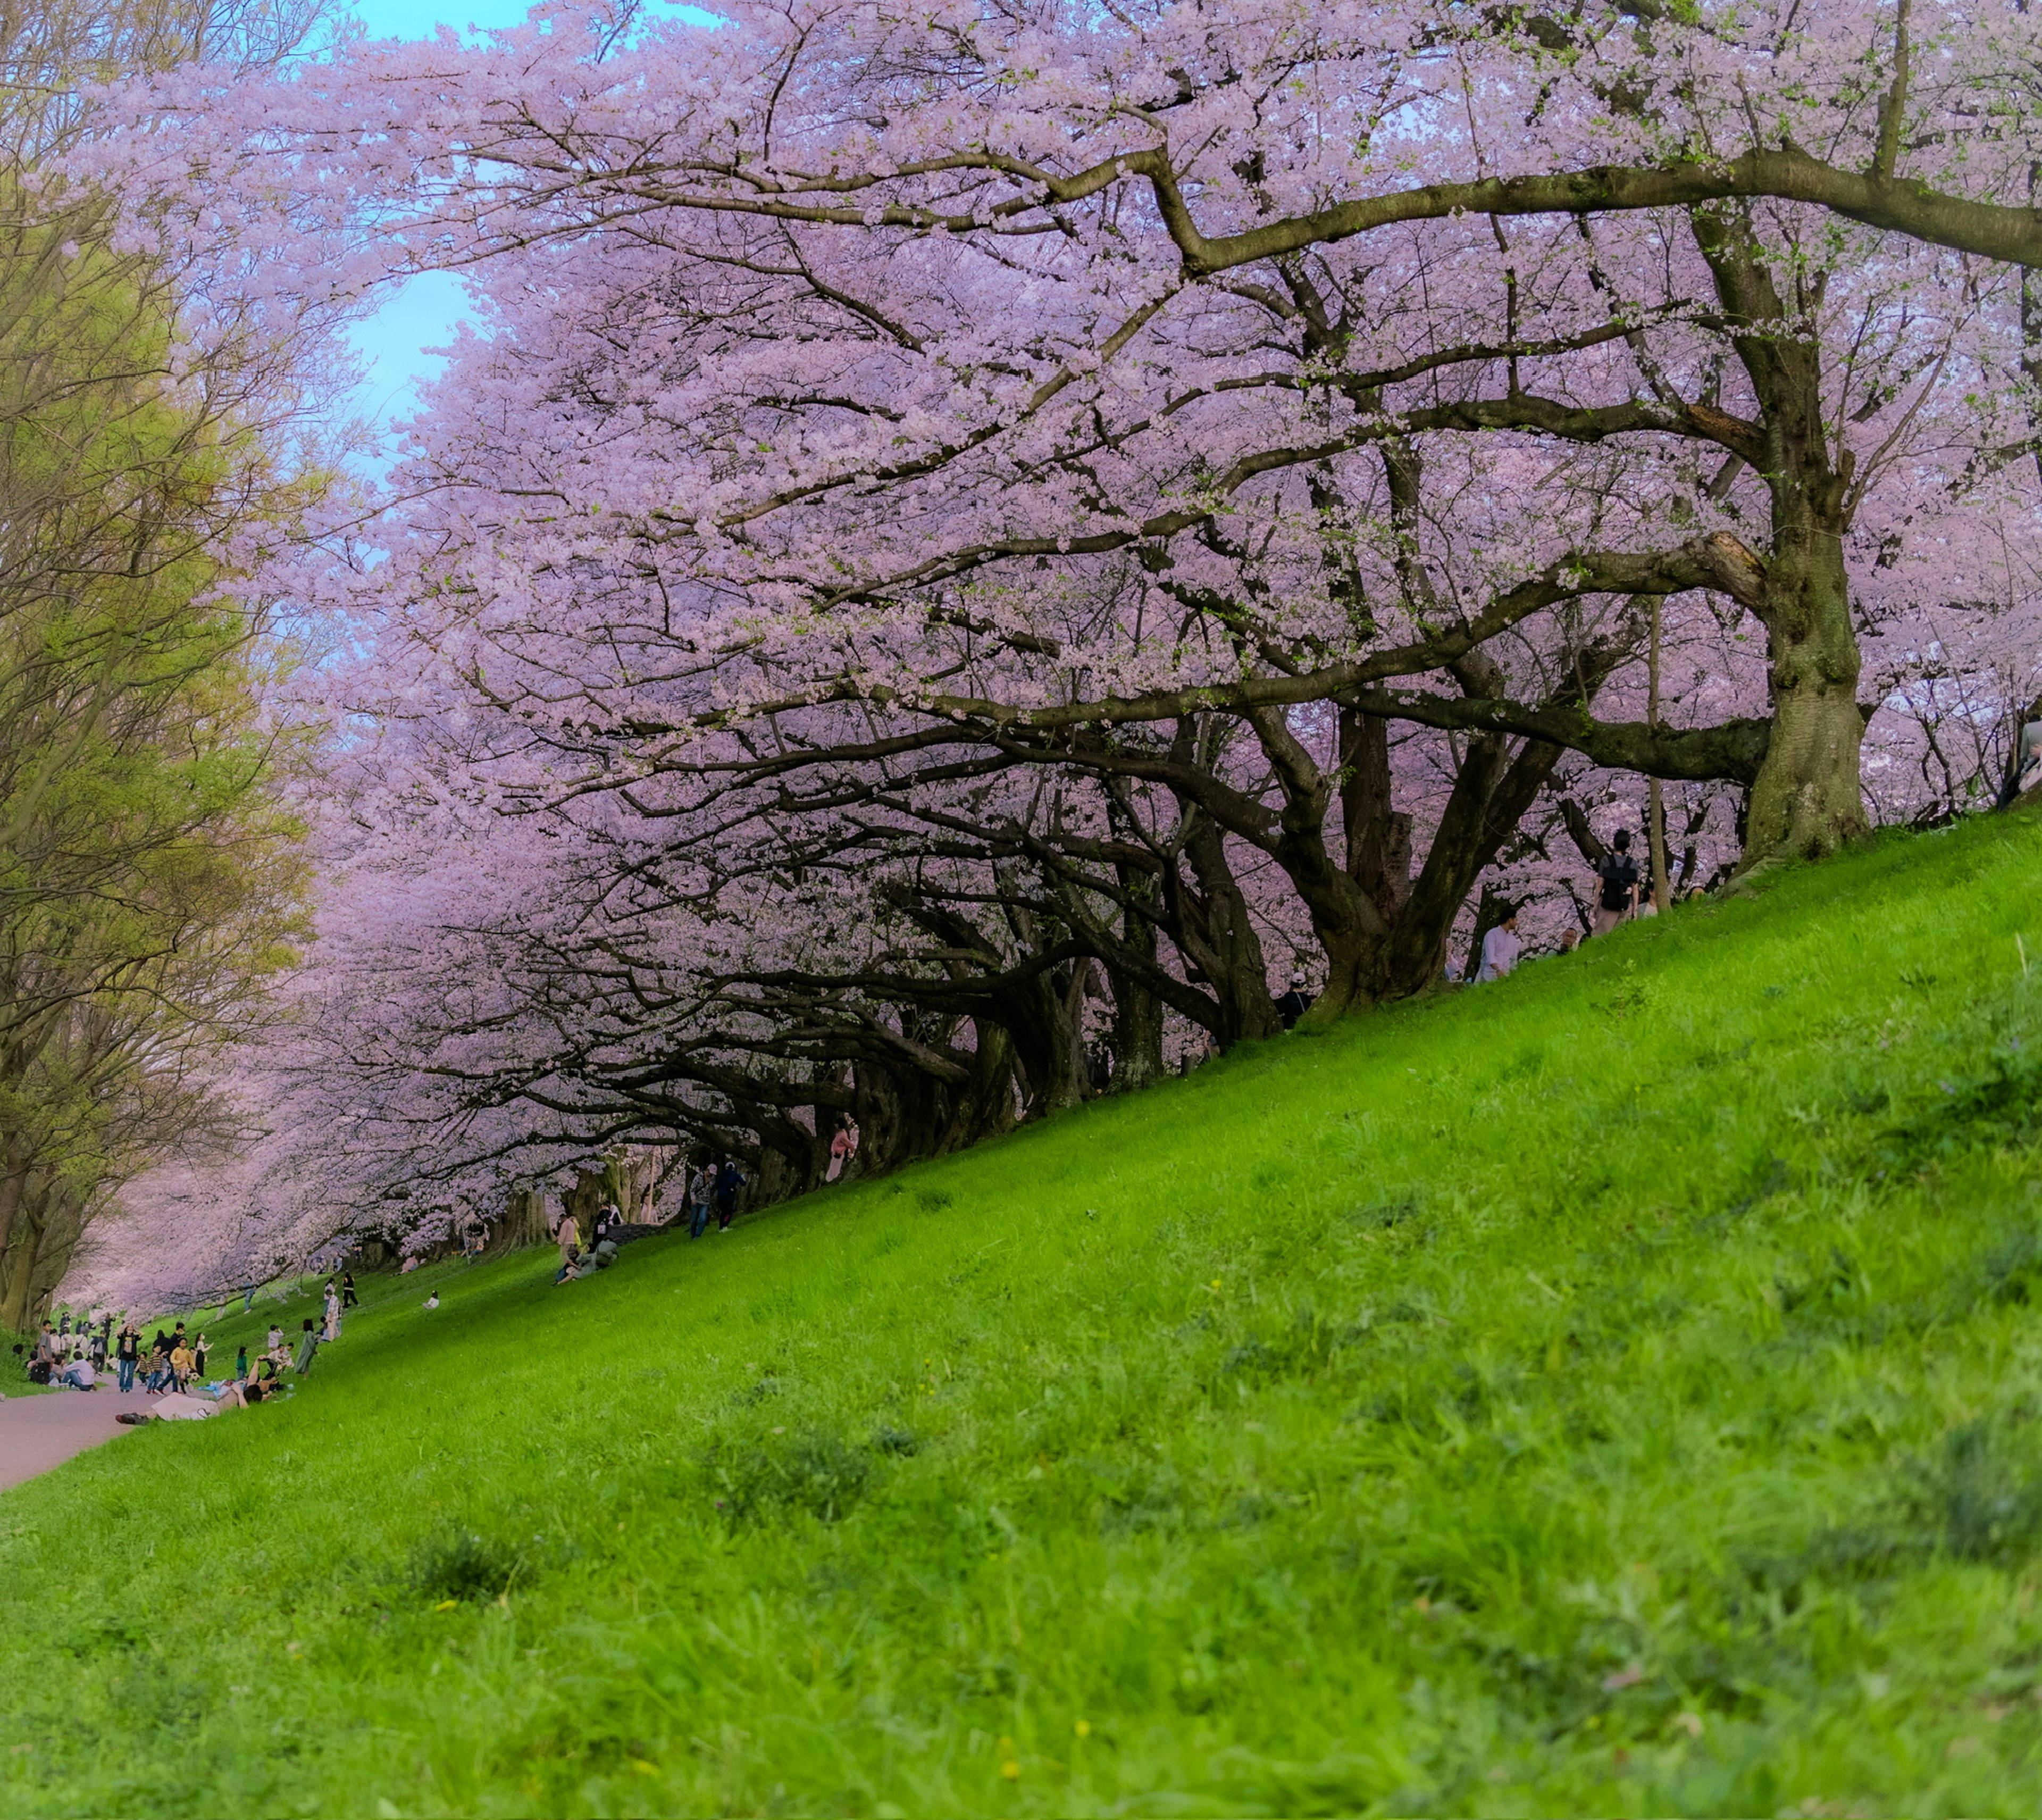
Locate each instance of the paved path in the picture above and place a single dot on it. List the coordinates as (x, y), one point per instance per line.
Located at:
(39, 1432)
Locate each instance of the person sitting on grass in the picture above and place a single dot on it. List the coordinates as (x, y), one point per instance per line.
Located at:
(600, 1257)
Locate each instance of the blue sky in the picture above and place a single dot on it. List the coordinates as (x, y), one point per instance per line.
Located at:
(424, 312)
(423, 315)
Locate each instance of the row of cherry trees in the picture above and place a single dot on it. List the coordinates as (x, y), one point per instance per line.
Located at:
(971, 539)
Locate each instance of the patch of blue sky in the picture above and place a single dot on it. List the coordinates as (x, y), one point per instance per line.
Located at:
(422, 314)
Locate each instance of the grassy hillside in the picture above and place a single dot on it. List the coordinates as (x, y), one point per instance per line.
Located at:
(1612, 1391)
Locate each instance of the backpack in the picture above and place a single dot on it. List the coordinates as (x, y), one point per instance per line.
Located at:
(1618, 872)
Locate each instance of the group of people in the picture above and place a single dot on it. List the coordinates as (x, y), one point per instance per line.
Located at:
(715, 1187)
(1620, 895)
(608, 1231)
(712, 1188)
(90, 1353)
(74, 1357)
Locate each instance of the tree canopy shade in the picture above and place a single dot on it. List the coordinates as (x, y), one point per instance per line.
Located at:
(967, 540)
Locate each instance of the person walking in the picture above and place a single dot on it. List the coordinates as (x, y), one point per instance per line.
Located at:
(309, 1346)
(1617, 900)
(96, 1350)
(348, 1297)
(1295, 1003)
(127, 1355)
(730, 1178)
(1500, 950)
(181, 1366)
(701, 1191)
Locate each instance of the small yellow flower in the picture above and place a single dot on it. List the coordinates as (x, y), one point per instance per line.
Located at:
(1083, 1728)
(444, 1605)
(1011, 1770)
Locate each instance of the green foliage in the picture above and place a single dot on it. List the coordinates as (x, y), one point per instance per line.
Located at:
(150, 881)
(1617, 1390)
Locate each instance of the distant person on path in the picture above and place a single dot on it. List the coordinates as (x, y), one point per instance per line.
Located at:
(348, 1297)
(127, 1355)
(1295, 1003)
(78, 1375)
(730, 1178)
(1500, 950)
(96, 1350)
(569, 1235)
(308, 1348)
(701, 1191)
(1617, 900)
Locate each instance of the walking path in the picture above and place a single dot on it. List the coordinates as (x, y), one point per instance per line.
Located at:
(39, 1432)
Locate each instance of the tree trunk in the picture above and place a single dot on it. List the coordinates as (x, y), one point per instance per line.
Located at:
(1138, 1012)
(1218, 935)
(1378, 836)
(1806, 801)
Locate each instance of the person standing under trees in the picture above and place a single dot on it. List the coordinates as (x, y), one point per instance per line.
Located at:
(1295, 1003)
(702, 1190)
(127, 1354)
(844, 1147)
(569, 1234)
(1618, 899)
(1500, 950)
(730, 1178)
(348, 1297)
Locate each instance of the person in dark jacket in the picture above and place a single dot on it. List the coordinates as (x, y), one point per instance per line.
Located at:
(730, 1178)
(1617, 900)
(1295, 1003)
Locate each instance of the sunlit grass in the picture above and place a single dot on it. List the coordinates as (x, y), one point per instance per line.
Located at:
(1612, 1391)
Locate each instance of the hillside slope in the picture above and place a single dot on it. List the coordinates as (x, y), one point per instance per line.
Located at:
(1611, 1391)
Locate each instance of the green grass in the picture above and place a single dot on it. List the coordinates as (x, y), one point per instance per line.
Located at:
(1612, 1391)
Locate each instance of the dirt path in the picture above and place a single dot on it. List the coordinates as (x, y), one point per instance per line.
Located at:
(39, 1432)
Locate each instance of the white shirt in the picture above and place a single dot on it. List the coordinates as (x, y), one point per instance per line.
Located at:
(1500, 950)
